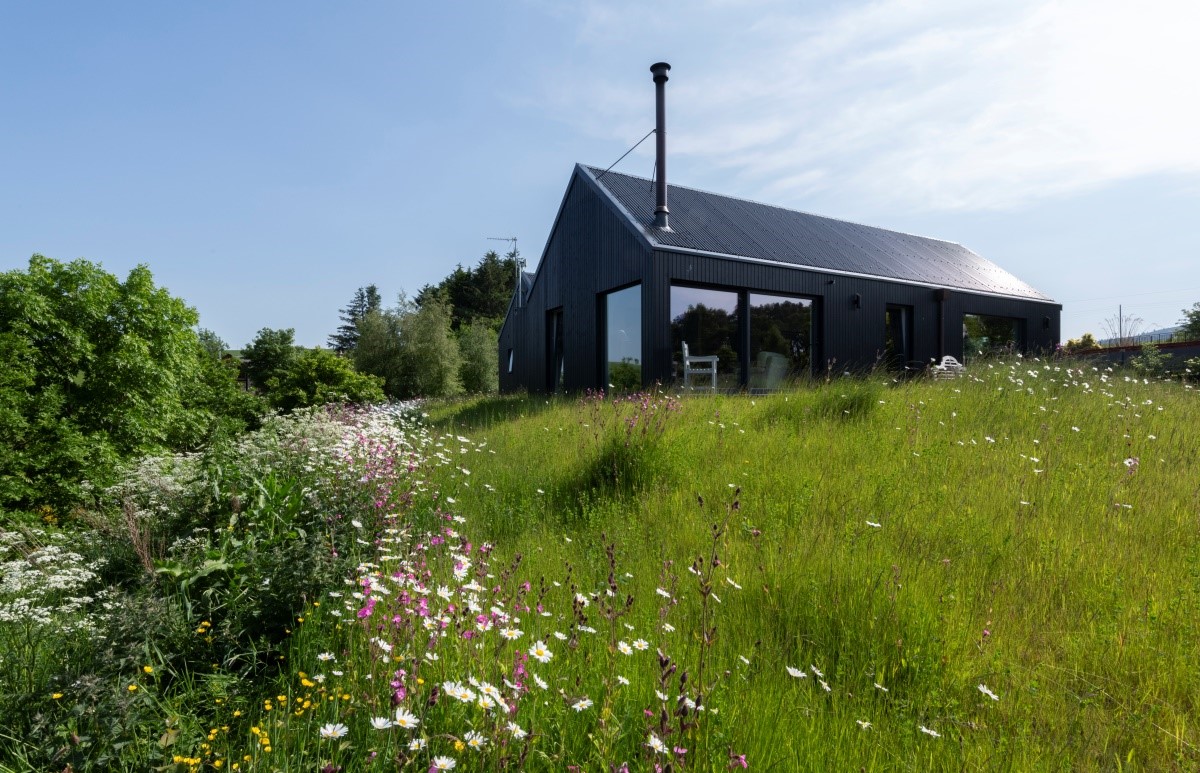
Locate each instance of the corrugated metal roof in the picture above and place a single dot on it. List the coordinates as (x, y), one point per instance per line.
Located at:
(721, 225)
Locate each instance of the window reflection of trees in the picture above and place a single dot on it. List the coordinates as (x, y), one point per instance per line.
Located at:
(781, 326)
(707, 330)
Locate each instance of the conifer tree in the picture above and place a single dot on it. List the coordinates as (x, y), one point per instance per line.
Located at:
(365, 300)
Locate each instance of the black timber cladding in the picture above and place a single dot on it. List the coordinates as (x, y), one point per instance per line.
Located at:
(597, 245)
(721, 225)
(591, 250)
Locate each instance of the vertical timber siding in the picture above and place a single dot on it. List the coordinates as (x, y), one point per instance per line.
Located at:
(593, 249)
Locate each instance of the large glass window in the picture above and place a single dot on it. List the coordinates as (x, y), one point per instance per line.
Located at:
(898, 343)
(780, 340)
(707, 321)
(555, 360)
(623, 339)
(986, 336)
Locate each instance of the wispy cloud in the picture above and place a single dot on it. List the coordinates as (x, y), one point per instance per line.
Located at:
(932, 105)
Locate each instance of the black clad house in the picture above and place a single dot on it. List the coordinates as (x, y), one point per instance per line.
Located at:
(772, 293)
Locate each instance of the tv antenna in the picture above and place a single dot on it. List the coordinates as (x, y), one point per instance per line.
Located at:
(518, 264)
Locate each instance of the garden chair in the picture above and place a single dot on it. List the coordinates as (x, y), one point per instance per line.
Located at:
(697, 365)
(948, 368)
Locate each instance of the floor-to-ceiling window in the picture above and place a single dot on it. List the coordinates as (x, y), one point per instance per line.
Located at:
(622, 355)
(898, 343)
(985, 336)
(707, 320)
(555, 363)
(780, 340)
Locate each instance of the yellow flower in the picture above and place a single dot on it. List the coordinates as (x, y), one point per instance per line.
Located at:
(56, 695)
(459, 746)
(148, 669)
(132, 688)
(237, 713)
(420, 681)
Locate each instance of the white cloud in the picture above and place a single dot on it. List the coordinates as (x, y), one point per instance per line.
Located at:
(933, 105)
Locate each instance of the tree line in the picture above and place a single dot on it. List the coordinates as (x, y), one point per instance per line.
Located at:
(95, 370)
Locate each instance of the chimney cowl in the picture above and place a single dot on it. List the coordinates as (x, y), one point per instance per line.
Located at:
(661, 212)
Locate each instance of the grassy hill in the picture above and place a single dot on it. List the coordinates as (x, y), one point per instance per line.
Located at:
(1027, 533)
(1000, 572)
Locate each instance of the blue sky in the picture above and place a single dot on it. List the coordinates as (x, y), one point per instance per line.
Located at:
(267, 159)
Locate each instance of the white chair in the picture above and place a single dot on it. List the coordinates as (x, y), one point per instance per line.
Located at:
(948, 368)
(699, 366)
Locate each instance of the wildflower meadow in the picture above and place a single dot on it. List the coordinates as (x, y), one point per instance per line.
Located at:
(1000, 572)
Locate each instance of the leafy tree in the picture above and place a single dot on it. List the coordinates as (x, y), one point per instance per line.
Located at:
(365, 300)
(91, 373)
(1082, 344)
(479, 371)
(212, 343)
(413, 348)
(318, 377)
(1189, 326)
(218, 405)
(270, 354)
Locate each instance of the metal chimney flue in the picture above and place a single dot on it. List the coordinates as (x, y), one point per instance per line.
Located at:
(660, 141)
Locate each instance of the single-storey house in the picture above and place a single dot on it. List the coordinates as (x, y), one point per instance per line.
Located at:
(757, 294)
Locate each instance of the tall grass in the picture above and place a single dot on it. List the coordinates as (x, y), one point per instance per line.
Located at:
(996, 573)
(1031, 528)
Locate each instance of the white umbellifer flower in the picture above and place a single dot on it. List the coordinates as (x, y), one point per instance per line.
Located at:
(540, 652)
(624, 648)
(929, 732)
(406, 719)
(656, 744)
(381, 723)
(334, 730)
(983, 688)
(582, 704)
(796, 672)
